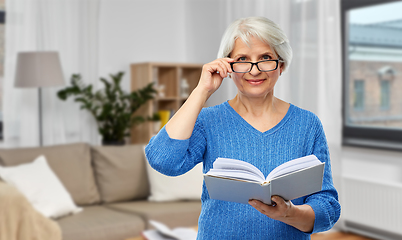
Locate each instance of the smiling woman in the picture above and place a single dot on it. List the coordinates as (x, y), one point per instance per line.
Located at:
(254, 126)
(256, 85)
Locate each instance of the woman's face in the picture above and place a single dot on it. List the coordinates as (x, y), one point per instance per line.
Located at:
(255, 84)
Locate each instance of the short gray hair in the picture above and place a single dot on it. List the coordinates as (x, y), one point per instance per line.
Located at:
(260, 27)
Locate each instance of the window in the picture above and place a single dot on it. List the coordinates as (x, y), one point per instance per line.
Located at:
(359, 95)
(372, 67)
(385, 92)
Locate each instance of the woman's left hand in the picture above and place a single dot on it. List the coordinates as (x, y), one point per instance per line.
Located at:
(301, 217)
(279, 210)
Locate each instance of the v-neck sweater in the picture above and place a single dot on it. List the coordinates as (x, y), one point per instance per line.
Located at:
(221, 132)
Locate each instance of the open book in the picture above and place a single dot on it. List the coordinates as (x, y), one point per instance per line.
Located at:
(238, 181)
(163, 232)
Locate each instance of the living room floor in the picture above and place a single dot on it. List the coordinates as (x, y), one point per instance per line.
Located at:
(335, 235)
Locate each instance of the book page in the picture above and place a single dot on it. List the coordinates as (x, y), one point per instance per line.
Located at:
(182, 233)
(235, 174)
(186, 233)
(293, 165)
(227, 163)
(162, 232)
(153, 234)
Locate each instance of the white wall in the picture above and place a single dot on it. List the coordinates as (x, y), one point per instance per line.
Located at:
(140, 31)
(203, 30)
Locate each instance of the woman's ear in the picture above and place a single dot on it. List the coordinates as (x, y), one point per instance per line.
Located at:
(281, 69)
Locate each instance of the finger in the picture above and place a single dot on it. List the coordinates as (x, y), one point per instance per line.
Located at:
(226, 62)
(255, 204)
(221, 71)
(278, 200)
(214, 68)
(211, 67)
(224, 67)
(220, 66)
(261, 207)
(228, 59)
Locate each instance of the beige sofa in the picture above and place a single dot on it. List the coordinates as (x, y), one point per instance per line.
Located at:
(111, 185)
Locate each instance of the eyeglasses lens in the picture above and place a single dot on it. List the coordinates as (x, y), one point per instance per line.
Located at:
(264, 66)
(267, 65)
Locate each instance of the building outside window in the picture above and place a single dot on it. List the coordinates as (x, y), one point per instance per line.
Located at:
(369, 54)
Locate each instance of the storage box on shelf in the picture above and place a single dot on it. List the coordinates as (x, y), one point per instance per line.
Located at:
(174, 82)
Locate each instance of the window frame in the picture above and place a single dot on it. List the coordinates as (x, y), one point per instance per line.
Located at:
(359, 136)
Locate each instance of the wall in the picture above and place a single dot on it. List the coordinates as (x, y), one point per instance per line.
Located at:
(139, 31)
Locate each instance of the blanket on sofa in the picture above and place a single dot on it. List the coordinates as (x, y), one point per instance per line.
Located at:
(20, 221)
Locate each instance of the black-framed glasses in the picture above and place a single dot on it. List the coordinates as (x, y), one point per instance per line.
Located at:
(263, 66)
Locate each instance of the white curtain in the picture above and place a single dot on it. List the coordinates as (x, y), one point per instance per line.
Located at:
(71, 28)
(314, 80)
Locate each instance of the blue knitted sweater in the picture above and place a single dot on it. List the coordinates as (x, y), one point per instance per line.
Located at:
(221, 132)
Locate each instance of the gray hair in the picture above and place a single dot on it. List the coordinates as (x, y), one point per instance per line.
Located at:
(260, 27)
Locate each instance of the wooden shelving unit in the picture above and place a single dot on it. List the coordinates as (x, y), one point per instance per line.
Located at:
(169, 76)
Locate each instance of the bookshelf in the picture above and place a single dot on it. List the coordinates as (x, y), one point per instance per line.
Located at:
(168, 79)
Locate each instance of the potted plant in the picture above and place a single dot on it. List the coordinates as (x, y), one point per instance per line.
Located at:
(112, 108)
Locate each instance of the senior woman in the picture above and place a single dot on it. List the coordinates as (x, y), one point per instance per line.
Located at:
(254, 126)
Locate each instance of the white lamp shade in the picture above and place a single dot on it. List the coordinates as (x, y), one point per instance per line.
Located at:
(38, 69)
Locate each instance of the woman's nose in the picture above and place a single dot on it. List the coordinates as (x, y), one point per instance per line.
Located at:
(254, 70)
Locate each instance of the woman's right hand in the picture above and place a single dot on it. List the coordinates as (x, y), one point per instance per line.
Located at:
(181, 125)
(213, 74)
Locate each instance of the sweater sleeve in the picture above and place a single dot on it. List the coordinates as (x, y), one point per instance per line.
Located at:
(324, 203)
(174, 157)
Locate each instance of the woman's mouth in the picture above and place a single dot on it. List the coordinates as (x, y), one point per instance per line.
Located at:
(255, 81)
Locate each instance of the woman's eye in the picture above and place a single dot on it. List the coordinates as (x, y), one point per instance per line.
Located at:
(266, 57)
(241, 59)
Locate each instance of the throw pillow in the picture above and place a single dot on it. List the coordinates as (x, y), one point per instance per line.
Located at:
(41, 187)
(184, 187)
(70, 162)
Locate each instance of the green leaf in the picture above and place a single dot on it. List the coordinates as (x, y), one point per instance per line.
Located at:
(111, 107)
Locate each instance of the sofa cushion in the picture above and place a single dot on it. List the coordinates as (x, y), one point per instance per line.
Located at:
(70, 162)
(100, 223)
(38, 183)
(172, 214)
(120, 172)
